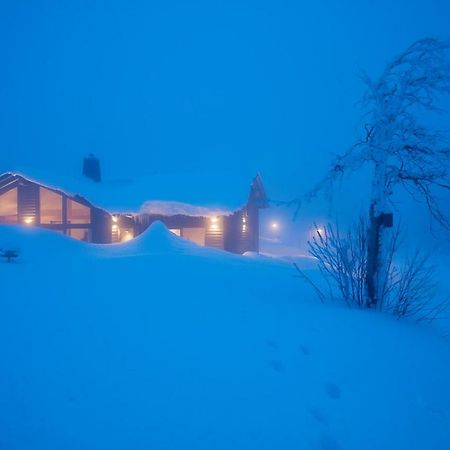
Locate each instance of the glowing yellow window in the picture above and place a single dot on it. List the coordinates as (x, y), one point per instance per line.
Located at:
(50, 206)
(195, 234)
(8, 207)
(78, 213)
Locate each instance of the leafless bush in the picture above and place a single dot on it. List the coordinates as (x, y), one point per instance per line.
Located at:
(413, 290)
(342, 261)
(410, 288)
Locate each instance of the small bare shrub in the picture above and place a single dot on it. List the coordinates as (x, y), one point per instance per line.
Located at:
(410, 288)
(342, 261)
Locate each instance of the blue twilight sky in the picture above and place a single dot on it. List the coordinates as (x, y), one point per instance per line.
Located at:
(195, 85)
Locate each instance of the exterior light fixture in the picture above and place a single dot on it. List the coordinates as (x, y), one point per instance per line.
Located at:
(214, 223)
(274, 225)
(28, 220)
(316, 231)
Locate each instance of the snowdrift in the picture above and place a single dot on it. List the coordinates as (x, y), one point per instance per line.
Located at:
(160, 344)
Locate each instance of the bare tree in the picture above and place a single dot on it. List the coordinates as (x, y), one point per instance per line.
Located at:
(399, 147)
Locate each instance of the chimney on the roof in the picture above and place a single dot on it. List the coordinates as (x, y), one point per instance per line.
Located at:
(91, 168)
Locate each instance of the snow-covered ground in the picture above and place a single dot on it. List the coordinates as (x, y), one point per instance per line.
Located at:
(160, 344)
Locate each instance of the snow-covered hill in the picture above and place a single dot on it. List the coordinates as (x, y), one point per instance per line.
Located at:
(160, 344)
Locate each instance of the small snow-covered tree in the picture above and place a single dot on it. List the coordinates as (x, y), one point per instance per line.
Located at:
(400, 146)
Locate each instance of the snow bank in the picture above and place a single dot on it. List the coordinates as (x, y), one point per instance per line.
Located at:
(37, 245)
(174, 346)
(156, 240)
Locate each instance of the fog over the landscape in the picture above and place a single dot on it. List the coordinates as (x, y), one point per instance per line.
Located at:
(199, 86)
(199, 210)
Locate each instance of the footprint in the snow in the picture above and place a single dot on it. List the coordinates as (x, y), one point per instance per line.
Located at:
(328, 442)
(278, 366)
(272, 344)
(333, 391)
(318, 415)
(305, 350)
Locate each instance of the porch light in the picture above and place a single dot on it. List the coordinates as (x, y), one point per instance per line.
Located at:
(316, 231)
(214, 223)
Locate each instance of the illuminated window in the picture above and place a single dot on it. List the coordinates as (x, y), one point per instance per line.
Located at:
(176, 231)
(81, 234)
(8, 207)
(50, 206)
(196, 235)
(78, 213)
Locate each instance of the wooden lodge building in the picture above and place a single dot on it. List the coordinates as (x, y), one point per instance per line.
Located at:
(29, 202)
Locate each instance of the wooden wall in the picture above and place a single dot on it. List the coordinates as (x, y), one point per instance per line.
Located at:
(28, 202)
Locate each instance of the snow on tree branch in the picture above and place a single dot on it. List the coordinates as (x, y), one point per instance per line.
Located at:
(402, 150)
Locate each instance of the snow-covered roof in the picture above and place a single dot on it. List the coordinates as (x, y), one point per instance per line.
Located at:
(193, 193)
(169, 208)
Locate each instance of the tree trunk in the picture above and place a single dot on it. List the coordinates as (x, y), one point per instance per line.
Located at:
(377, 239)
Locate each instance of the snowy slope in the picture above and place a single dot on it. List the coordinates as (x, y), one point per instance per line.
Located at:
(160, 344)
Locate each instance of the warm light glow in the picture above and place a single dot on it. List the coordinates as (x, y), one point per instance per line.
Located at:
(214, 226)
(126, 236)
(244, 219)
(78, 213)
(51, 207)
(114, 219)
(28, 220)
(317, 230)
(197, 234)
(244, 228)
(274, 225)
(8, 207)
(115, 227)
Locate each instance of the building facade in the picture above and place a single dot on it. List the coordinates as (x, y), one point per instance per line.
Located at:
(27, 202)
